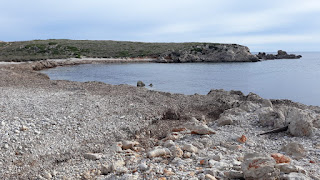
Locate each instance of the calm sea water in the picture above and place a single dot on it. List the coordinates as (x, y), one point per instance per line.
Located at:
(297, 80)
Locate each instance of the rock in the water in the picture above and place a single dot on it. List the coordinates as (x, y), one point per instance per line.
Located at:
(140, 84)
(294, 150)
(280, 55)
(259, 166)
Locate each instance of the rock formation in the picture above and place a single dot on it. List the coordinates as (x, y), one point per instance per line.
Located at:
(209, 53)
(281, 55)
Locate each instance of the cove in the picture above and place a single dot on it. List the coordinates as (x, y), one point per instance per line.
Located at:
(295, 79)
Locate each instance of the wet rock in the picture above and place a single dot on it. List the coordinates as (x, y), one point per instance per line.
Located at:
(294, 150)
(92, 156)
(259, 166)
(189, 148)
(140, 84)
(158, 152)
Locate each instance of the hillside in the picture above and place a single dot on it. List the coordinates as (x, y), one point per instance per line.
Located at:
(63, 48)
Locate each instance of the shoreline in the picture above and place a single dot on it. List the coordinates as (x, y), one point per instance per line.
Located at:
(63, 129)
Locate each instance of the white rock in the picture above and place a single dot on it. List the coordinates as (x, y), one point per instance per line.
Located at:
(259, 166)
(6, 146)
(187, 154)
(92, 156)
(117, 146)
(288, 168)
(270, 117)
(301, 122)
(209, 177)
(189, 148)
(176, 151)
(169, 143)
(294, 150)
(295, 176)
(143, 167)
(158, 152)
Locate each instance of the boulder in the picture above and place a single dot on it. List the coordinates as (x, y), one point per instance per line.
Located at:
(158, 152)
(270, 117)
(294, 150)
(295, 176)
(140, 84)
(301, 122)
(259, 166)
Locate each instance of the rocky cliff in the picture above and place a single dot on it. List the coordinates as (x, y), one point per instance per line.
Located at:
(209, 53)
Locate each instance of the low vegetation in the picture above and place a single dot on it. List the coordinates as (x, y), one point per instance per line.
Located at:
(64, 48)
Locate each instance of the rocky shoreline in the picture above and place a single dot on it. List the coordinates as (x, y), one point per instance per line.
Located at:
(280, 55)
(72, 130)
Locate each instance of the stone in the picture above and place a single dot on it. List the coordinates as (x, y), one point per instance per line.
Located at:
(201, 129)
(168, 172)
(270, 117)
(295, 176)
(301, 122)
(259, 166)
(128, 144)
(280, 158)
(232, 174)
(169, 143)
(294, 150)
(176, 151)
(231, 117)
(242, 139)
(116, 166)
(158, 152)
(92, 156)
(140, 84)
(23, 128)
(143, 167)
(209, 177)
(288, 168)
(47, 175)
(189, 148)
(117, 146)
(187, 154)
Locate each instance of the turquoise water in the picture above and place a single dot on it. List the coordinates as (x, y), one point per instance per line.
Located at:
(297, 80)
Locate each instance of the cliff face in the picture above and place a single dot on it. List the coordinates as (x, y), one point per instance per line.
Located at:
(210, 53)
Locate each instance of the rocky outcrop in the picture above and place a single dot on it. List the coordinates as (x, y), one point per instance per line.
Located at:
(209, 53)
(281, 55)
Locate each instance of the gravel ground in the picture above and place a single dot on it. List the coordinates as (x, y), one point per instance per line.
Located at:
(47, 127)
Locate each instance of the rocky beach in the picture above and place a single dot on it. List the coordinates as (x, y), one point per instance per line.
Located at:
(54, 129)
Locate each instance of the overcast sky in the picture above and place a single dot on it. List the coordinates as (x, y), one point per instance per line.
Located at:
(292, 25)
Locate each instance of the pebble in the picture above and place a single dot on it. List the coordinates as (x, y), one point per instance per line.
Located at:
(143, 167)
(92, 156)
(189, 148)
